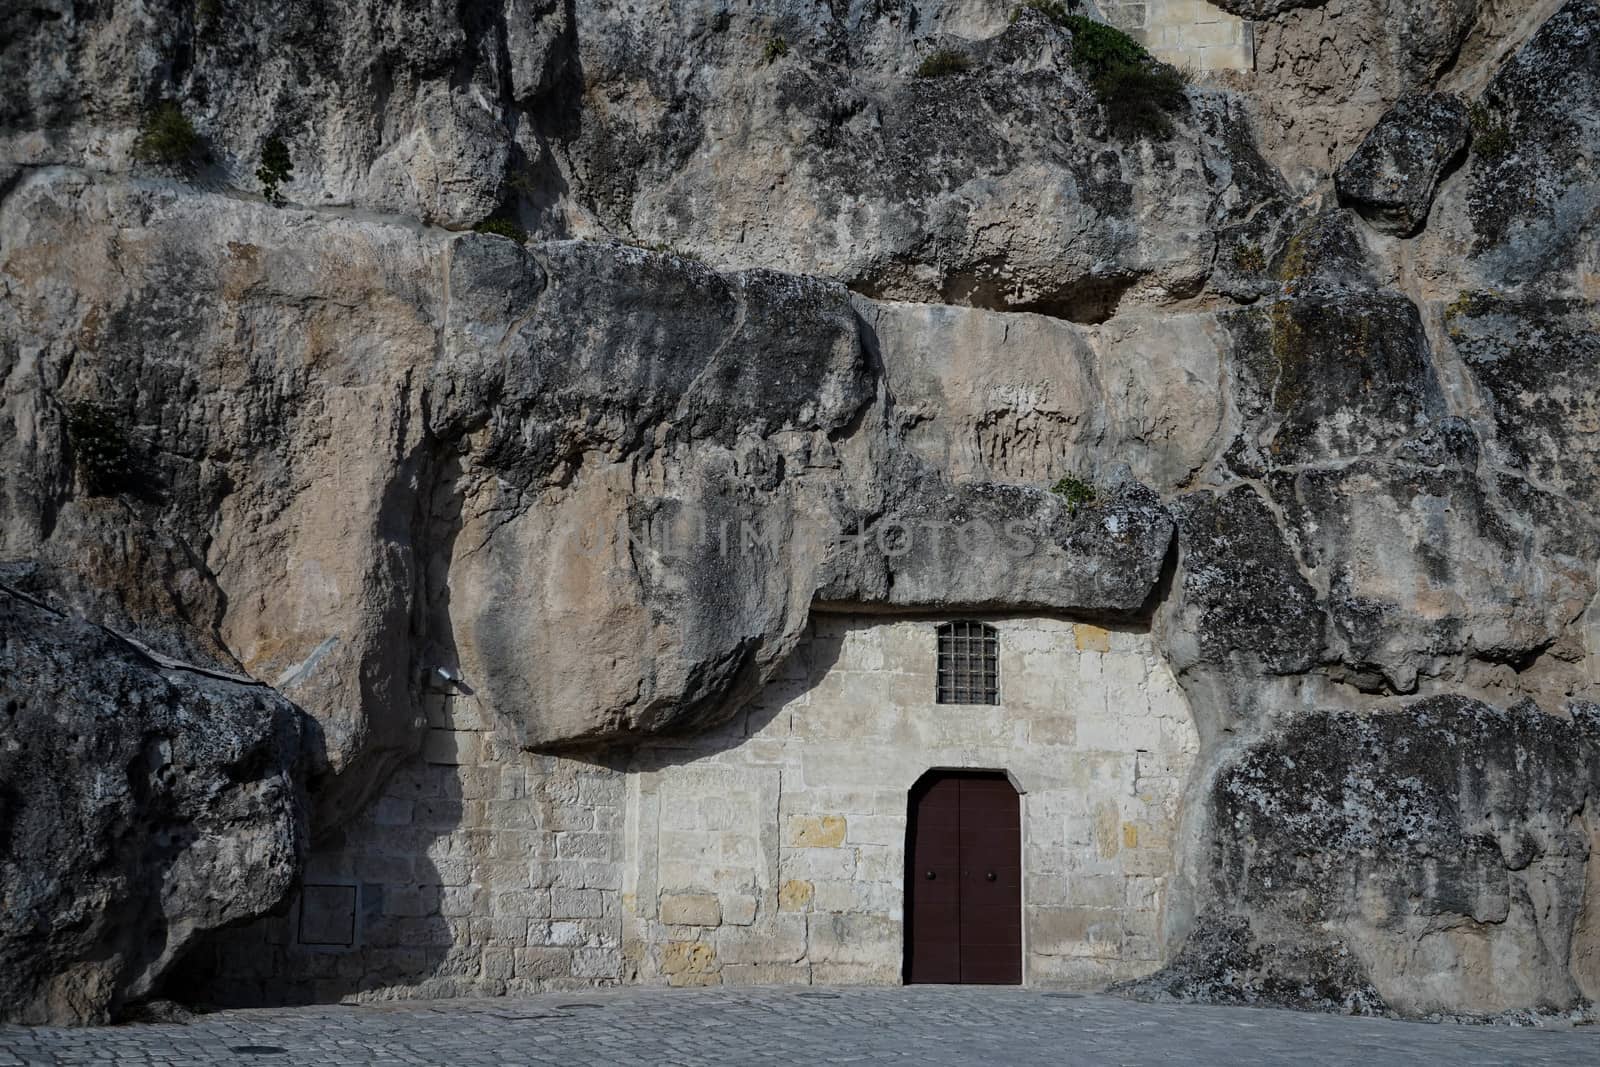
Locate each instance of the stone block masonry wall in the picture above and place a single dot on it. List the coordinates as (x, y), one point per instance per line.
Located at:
(770, 850)
(1185, 33)
(481, 870)
(774, 850)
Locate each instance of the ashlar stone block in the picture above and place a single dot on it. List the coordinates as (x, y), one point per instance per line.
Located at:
(816, 831)
(687, 910)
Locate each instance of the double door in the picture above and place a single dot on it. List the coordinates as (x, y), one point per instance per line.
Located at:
(964, 880)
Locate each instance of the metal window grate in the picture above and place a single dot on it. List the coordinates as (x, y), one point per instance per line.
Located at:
(969, 653)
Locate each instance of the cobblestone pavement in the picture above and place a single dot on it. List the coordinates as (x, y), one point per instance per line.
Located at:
(926, 1025)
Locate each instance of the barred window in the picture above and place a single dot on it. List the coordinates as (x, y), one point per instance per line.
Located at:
(967, 664)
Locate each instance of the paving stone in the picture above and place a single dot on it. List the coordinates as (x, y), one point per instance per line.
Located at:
(939, 1025)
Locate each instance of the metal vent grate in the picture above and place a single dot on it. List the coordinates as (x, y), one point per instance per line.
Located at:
(967, 664)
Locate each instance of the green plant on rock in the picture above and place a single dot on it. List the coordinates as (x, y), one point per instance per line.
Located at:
(502, 228)
(1491, 138)
(1249, 258)
(524, 182)
(100, 452)
(166, 136)
(1075, 492)
(1139, 99)
(1098, 48)
(776, 48)
(1137, 92)
(943, 63)
(1469, 303)
(275, 169)
(1297, 261)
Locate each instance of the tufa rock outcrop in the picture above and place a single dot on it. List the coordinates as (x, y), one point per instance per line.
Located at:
(1391, 178)
(1360, 862)
(317, 459)
(142, 803)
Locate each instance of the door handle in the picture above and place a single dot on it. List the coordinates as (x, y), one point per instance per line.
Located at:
(989, 876)
(930, 876)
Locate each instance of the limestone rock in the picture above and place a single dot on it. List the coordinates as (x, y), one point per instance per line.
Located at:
(1354, 858)
(1534, 359)
(1379, 487)
(667, 124)
(1262, 9)
(596, 488)
(695, 457)
(219, 526)
(1328, 70)
(997, 546)
(1028, 399)
(1242, 585)
(1533, 188)
(532, 404)
(1391, 178)
(396, 107)
(638, 481)
(1029, 203)
(1223, 961)
(141, 805)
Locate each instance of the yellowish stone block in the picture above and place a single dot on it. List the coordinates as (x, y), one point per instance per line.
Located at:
(1092, 638)
(688, 958)
(794, 895)
(816, 831)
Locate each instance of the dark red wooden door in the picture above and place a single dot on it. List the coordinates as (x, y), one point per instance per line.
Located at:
(964, 880)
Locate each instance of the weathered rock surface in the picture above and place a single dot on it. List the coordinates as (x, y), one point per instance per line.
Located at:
(1532, 197)
(219, 364)
(531, 401)
(1535, 360)
(140, 806)
(1359, 862)
(1327, 70)
(1025, 201)
(339, 449)
(667, 124)
(397, 107)
(1243, 594)
(630, 400)
(1391, 178)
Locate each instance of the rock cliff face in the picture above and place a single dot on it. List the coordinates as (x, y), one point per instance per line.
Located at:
(783, 308)
(142, 803)
(1369, 860)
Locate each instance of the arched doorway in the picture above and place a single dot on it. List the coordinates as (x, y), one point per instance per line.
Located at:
(964, 879)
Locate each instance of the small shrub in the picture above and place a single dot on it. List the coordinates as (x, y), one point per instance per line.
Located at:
(943, 63)
(1491, 138)
(1138, 98)
(209, 11)
(167, 136)
(1136, 91)
(100, 451)
(1249, 258)
(1075, 492)
(1098, 48)
(776, 48)
(275, 169)
(502, 228)
(1053, 10)
(524, 183)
